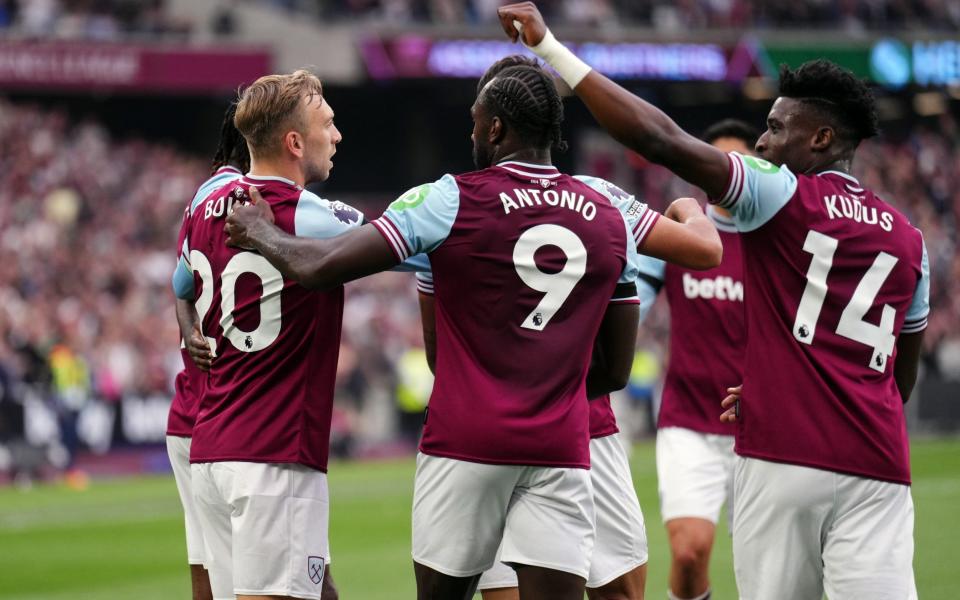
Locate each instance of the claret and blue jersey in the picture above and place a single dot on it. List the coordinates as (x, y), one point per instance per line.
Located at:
(833, 275)
(525, 261)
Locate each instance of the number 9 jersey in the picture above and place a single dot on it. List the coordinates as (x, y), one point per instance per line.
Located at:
(269, 395)
(833, 275)
(525, 261)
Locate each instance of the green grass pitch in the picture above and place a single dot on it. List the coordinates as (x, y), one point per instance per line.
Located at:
(123, 538)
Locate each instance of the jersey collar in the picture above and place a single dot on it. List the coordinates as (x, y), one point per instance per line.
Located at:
(851, 182)
(530, 170)
(262, 179)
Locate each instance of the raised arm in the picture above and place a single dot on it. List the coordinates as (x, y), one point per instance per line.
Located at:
(613, 350)
(686, 237)
(633, 122)
(313, 263)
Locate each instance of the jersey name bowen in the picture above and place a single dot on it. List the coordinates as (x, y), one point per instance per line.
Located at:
(526, 198)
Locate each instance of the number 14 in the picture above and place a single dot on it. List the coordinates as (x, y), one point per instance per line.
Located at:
(852, 326)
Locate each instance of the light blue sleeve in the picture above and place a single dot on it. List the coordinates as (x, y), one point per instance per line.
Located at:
(419, 263)
(916, 319)
(640, 217)
(183, 280)
(421, 219)
(649, 282)
(318, 218)
(183, 273)
(756, 192)
(210, 185)
(632, 269)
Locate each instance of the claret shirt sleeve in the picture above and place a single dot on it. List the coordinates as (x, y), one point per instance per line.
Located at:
(421, 219)
(756, 190)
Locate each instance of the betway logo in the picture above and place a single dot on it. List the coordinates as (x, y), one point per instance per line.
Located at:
(721, 288)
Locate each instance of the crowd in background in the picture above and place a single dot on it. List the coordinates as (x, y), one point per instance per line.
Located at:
(123, 19)
(87, 240)
(662, 14)
(103, 20)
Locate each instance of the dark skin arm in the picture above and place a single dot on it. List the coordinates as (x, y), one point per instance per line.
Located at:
(686, 237)
(907, 362)
(613, 350)
(193, 339)
(428, 320)
(315, 264)
(633, 122)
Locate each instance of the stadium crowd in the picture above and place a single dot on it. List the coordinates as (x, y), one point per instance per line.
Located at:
(663, 14)
(89, 222)
(103, 20)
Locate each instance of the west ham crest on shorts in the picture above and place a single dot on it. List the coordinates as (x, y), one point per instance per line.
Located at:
(315, 569)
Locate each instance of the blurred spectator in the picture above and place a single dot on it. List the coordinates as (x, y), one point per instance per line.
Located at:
(677, 15)
(103, 20)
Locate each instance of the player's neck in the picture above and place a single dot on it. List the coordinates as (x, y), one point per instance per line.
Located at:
(843, 165)
(277, 168)
(533, 156)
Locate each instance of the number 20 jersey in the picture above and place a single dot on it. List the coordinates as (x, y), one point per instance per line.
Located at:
(269, 395)
(833, 275)
(525, 262)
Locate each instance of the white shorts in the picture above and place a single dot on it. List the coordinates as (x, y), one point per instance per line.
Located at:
(694, 474)
(621, 537)
(265, 527)
(799, 532)
(462, 510)
(178, 450)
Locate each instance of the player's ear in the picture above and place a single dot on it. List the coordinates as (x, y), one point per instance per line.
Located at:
(823, 138)
(497, 131)
(293, 143)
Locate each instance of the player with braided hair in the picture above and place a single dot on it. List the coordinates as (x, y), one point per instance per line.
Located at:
(838, 298)
(230, 161)
(532, 267)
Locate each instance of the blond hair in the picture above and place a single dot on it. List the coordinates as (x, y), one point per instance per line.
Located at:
(271, 105)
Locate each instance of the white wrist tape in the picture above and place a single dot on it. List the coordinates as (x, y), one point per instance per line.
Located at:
(558, 56)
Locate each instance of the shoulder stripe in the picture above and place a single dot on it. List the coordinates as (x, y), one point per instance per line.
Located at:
(914, 326)
(390, 232)
(644, 226)
(734, 185)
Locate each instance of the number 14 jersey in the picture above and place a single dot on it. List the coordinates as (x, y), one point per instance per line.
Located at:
(833, 275)
(525, 262)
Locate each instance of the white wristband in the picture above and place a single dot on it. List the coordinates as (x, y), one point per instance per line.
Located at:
(558, 56)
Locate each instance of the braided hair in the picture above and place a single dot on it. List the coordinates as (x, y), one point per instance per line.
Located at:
(523, 95)
(233, 147)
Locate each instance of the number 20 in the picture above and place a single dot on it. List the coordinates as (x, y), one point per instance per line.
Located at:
(270, 279)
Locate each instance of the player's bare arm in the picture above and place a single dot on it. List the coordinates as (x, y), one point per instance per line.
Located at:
(631, 121)
(613, 350)
(197, 345)
(907, 361)
(313, 263)
(686, 237)
(428, 320)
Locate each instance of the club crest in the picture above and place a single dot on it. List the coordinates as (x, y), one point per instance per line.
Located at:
(315, 565)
